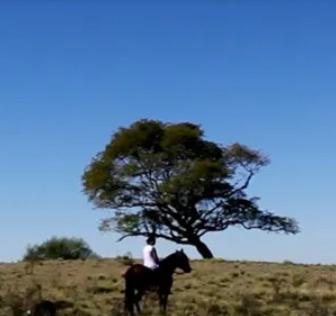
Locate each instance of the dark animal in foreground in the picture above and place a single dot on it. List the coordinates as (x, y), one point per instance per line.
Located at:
(48, 308)
(139, 279)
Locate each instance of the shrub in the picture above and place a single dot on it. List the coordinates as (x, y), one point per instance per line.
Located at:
(60, 248)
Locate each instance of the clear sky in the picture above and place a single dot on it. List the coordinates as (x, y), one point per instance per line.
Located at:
(259, 72)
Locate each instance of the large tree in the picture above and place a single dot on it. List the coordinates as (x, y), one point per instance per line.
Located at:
(168, 180)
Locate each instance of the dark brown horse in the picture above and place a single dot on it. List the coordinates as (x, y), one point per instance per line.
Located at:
(139, 279)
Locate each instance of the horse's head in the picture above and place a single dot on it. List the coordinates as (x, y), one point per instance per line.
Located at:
(182, 261)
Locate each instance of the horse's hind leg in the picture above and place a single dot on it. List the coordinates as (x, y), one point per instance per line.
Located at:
(129, 307)
(138, 298)
(129, 298)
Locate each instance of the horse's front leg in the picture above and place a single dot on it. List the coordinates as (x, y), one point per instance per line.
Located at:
(163, 300)
(164, 291)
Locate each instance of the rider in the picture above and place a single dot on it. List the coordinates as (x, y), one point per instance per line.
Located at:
(150, 257)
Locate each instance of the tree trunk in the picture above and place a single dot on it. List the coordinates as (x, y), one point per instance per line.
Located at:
(203, 249)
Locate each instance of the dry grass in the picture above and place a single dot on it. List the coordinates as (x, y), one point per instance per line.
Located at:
(214, 288)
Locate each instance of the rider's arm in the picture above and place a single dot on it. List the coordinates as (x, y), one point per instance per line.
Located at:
(155, 256)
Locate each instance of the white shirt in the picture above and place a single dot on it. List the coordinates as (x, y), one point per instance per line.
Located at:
(147, 257)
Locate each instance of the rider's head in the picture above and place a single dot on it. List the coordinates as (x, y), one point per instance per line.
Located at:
(151, 240)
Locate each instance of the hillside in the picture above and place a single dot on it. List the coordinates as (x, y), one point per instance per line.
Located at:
(213, 288)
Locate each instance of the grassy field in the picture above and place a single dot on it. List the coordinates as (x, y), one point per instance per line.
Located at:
(213, 288)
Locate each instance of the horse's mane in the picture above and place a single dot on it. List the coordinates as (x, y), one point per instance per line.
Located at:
(168, 261)
(169, 257)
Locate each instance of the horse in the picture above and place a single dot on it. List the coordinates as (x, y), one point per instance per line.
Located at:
(140, 279)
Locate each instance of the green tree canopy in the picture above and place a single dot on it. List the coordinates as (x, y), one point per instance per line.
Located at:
(60, 248)
(168, 180)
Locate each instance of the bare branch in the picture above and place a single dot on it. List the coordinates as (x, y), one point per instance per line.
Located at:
(158, 235)
(244, 186)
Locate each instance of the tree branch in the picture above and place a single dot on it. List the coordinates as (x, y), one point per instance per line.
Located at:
(245, 185)
(158, 235)
(265, 221)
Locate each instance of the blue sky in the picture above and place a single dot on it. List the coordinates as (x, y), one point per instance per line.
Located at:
(262, 74)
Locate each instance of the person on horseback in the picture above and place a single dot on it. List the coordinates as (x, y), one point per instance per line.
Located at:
(151, 260)
(150, 257)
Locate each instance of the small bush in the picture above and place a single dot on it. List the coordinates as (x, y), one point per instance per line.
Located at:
(60, 248)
